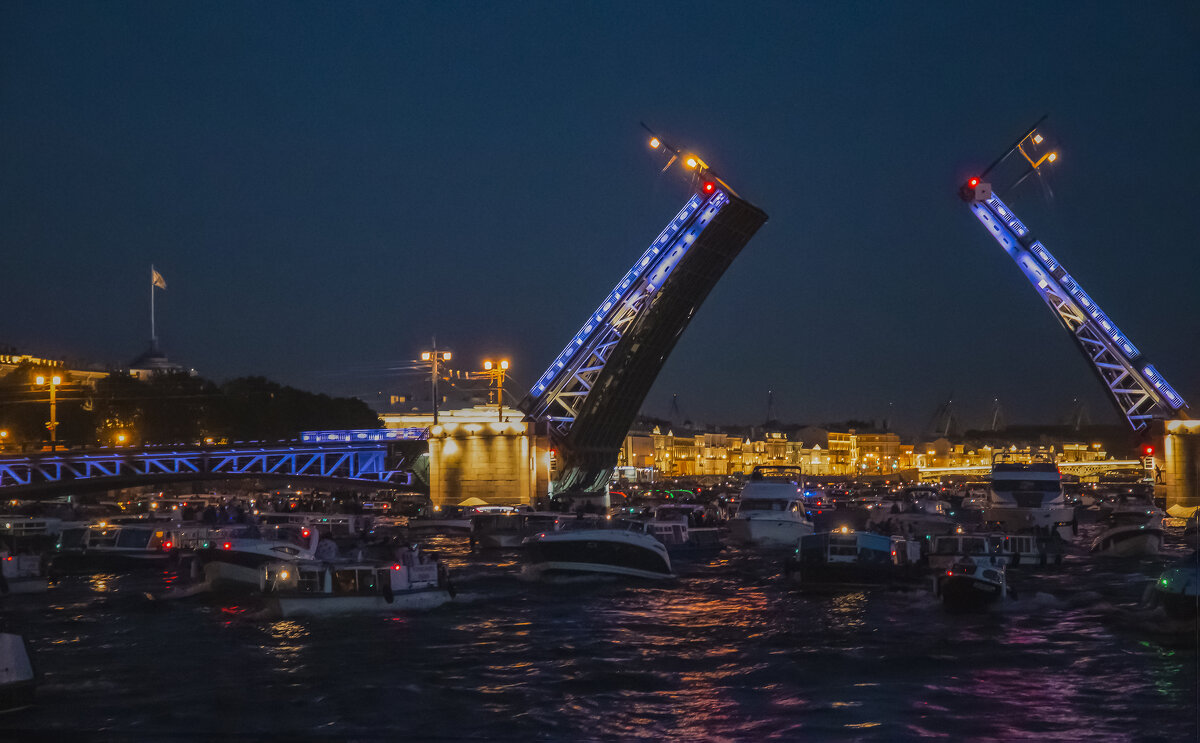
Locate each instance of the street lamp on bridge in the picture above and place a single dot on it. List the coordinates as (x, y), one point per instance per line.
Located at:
(495, 372)
(52, 424)
(434, 357)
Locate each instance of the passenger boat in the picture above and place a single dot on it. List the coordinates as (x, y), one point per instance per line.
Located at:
(1177, 590)
(997, 549)
(971, 585)
(681, 529)
(508, 529)
(771, 511)
(1130, 533)
(627, 550)
(234, 557)
(415, 580)
(107, 547)
(17, 678)
(914, 515)
(1028, 496)
(846, 559)
(447, 520)
(21, 574)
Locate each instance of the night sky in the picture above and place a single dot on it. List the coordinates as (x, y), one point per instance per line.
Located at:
(327, 185)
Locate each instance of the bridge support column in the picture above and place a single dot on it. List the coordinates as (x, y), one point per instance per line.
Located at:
(1181, 463)
(500, 463)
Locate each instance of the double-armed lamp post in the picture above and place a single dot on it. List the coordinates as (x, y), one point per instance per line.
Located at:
(52, 424)
(495, 372)
(434, 357)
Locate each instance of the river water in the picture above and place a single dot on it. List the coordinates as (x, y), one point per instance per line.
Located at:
(729, 651)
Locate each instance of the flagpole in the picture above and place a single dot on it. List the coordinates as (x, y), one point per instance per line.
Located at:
(153, 337)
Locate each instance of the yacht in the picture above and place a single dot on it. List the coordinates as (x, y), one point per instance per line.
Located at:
(771, 512)
(684, 529)
(1028, 496)
(414, 580)
(626, 550)
(849, 559)
(235, 557)
(1177, 590)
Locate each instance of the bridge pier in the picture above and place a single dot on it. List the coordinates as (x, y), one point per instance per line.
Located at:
(1181, 463)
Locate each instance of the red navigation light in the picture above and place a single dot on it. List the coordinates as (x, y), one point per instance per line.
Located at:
(1148, 450)
(396, 567)
(167, 545)
(227, 546)
(304, 533)
(708, 187)
(973, 182)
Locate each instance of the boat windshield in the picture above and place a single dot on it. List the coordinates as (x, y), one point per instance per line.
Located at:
(767, 504)
(1011, 486)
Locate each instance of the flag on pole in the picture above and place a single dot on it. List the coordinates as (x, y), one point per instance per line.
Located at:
(157, 279)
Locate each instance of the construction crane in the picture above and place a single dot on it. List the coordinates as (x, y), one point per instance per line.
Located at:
(1133, 384)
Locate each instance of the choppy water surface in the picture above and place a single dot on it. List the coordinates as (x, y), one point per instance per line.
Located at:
(729, 651)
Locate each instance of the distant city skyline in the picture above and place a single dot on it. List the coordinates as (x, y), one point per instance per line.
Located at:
(327, 188)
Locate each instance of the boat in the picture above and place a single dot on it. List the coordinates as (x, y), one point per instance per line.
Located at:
(111, 547)
(627, 550)
(771, 511)
(17, 678)
(971, 584)
(849, 559)
(1130, 533)
(234, 557)
(1028, 496)
(682, 528)
(917, 511)
(999, 549)
(509, 528)
(447, 520)
(414, 580)
(1177, 589)
(21, 574)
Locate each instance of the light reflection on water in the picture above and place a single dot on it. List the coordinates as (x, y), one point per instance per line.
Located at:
(727, 652)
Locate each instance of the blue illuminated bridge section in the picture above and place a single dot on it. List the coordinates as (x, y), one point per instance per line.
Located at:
(1136, 388)
(589, 395)
(357, 462)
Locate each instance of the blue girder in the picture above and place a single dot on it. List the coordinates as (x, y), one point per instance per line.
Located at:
(1135, 386)
(557, 395)
(363, 462)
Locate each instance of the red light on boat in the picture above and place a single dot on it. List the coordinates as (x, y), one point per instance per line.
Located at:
(167, 545)
(949, 572)
(973, 182)
(396, 567)
(227, 546)
(304, 533)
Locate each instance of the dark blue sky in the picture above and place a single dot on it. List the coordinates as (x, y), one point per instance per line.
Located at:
(326, 185)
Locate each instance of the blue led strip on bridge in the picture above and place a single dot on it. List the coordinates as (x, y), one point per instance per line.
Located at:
(632, 280)
(1008, 231)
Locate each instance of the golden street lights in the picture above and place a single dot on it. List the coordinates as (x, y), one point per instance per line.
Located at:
(53, 422)
(434, 357)
(495, 372)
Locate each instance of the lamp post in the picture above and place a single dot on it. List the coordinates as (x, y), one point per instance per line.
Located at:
(52, 424)
(434, 357)
(496, 372)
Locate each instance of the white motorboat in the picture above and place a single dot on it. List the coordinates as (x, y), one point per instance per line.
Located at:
(996, 549)
(1028, 496)
(971, 585)
(111, 547)
(628, 550)
(21, 574)
(17, 678)
(415, 580)
(771, 511)
(1131, 533)
(234, 557)
(918, 512)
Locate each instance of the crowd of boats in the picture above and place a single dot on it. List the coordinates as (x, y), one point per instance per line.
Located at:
(961, 545)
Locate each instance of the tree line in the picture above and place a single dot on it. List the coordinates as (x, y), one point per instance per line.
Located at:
(166, 408)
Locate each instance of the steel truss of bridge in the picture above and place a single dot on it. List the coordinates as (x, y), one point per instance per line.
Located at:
(363, 463)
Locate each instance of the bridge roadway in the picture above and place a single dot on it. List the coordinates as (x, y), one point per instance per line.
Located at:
(349, 462)
(1079, 469)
